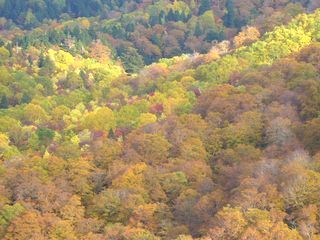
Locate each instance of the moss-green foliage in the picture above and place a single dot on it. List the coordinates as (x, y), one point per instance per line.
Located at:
(274, 45)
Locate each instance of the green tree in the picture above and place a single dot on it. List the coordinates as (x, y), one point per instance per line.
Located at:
(102, 119)
(7, 214)
(45, 135)
(30, 19)
(131, 59)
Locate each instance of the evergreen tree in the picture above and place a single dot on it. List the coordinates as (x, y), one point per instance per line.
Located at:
(111, 134)
(170, 16)
(47, 66)
(130, 27)
(25, 98)
(183, 16)
(30, 19)
(155, 39)
(197, 30)
(131, 59)
(214, 35)
(41, 61)
(229, 18)
(204, 6)
(153, 20)
(162, 17)
(4, 103)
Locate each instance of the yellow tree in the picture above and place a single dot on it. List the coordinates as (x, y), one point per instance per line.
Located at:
(246, 36)
(29, 226)
(101, 119)
(150, 148)
(35, 114)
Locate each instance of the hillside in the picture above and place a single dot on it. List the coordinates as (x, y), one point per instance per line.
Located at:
(141, 32)
(216, 144)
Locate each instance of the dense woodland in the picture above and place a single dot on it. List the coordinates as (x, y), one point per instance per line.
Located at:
(140, 32)
(151, 120)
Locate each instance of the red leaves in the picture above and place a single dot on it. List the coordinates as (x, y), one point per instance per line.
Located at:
(157, 108)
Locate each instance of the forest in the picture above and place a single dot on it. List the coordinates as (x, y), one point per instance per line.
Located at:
(159, 120)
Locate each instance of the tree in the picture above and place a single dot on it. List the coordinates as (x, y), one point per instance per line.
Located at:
(296, 194)
(173, 184)
(30, 19)
(102, 119)
(4, 102)
(184, 208)
(229, 224)
(116, 204)
(7, 215)
(47, 65)
(45, 135)
(150, 148)
(205, 5)
(100, 52)
(131, 59)
(279, 132)
(193, 149)
(147, 118)
(307, 221)
(148, 216)
(58, 114)
(62, 230)
(29, 225)
(198, 30)
(251, 224)
(208, 23)
(311, 135)
(246, 37)
(4, 55)
(35, 114)
(128, 116)
(229, 17)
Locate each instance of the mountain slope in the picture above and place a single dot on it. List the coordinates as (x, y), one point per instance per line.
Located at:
(223, 145)
(139, 32)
